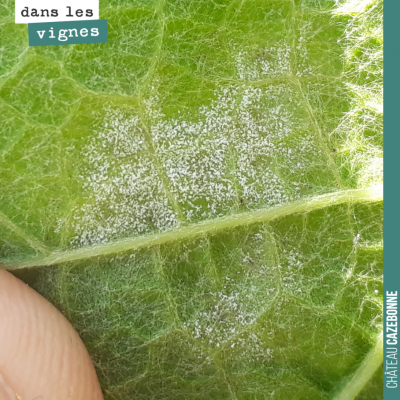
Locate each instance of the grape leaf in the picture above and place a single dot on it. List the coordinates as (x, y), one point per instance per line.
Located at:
(201, 196)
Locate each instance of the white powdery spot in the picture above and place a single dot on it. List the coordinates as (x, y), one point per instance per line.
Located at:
(125, 192)
(226, 323)
(232, 311)
(267, 62)
(242, 151)
(290, 271)
(228, 314)
(230, 150)
(258, 143)
(196, 157)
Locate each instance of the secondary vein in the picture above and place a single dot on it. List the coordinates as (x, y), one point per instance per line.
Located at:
(364, 373)
(32, 241)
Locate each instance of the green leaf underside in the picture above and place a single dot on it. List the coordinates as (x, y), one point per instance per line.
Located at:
(200, 196)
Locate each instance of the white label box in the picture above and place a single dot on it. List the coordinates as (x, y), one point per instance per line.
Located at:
(31, 11)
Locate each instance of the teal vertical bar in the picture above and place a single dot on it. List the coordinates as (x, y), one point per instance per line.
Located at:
(391, 192)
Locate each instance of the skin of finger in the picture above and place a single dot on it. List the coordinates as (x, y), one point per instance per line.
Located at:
(6, 392)
(41, 354)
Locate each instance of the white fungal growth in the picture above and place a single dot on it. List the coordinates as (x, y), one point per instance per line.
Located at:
(125, 192)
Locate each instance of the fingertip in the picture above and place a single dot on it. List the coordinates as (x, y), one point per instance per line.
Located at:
(41, 354)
